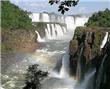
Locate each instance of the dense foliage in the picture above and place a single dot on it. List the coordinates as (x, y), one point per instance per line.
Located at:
(34, 77)
(64, 5)
(100, 19)
(12, 17)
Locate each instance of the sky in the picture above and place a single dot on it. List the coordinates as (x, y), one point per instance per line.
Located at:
(84, 6)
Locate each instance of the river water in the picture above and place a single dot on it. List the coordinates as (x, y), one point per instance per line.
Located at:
(53, 57)
(14, 66)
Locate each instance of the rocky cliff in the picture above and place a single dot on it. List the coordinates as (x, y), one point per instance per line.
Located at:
(16, 29)
(18, 40)
(90, 48)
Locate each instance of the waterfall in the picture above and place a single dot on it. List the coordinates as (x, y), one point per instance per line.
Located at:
(35, 17)
(39, 39)
(80, 21)
(54, 31)
(45, 17)
(62, 69)
(53, 36)
(64, 72)
(88, 82)
(104, 40)
(70, 22)
(48, 32)
(78, 72)
(57, 26)
(100, 72)
(64, 29)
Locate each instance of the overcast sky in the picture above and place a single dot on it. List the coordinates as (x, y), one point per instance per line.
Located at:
(84, 6)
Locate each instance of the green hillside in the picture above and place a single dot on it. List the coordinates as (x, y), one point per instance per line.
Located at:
(100, 19)
(12, 17)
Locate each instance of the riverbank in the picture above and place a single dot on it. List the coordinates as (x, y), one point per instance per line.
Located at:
(18, 40)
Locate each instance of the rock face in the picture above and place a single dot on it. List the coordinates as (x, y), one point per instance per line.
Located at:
(90, 48)
(19, 40)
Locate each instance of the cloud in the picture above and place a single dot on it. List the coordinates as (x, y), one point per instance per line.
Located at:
(37, 5)
(82, 9)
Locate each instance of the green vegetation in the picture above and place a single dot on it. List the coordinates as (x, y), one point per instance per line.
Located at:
(17, 29)
(100, 19)
(99, 35)
(12, 17)
(34, 77)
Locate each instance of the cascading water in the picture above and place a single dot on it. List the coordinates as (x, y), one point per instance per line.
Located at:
(53, 36)
(100, 73)
(54, 31)
(64, 72)
(39, 39)
(48, 31)
(78, 72)
(70, 22)
(88, 81)
(104, 40)
(45, 17)
(35, 17)
(64, 29)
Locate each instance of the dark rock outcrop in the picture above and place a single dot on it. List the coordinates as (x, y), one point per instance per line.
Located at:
(85, 53)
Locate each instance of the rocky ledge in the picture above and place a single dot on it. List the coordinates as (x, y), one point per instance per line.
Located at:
(90, 48)
(19, 40)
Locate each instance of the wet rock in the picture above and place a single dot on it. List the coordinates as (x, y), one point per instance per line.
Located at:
(91, 56)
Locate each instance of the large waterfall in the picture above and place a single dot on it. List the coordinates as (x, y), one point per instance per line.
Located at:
(57, 32)
(57, 26)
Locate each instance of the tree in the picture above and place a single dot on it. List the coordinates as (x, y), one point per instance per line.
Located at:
(13, 17)
(99, 19)
(64, 5)
(34, 77)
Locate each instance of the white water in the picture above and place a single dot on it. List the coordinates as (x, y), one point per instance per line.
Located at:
(56, 41)
(39, 39)
(35, 17)
(100, 72)
(78, 72)
(88, 81)
(73, 22)
(55, 30)
(64, 72)
(104, 40)
(47, 17)
(59, 32)
(55, 55)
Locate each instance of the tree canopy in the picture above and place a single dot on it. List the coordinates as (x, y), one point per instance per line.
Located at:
(64, 4)
(99, 19)
(13, 17)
